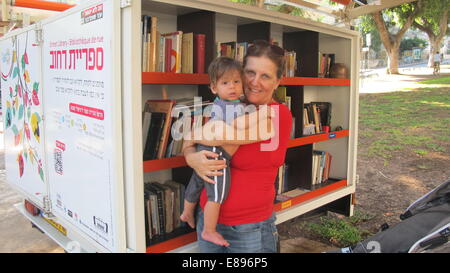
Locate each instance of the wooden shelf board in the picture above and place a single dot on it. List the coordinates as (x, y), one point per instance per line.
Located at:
(174, 78)
(185, 78)
(173, 243)
(328, 187)
(165, 163)
(315, 81)
(317, 138)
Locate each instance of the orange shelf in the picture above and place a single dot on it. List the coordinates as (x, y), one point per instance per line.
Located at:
(179, 161)
(174, 78)
(165, 163)
(317, 138)
(44, 5)
(315, 81)
(185, 78)
(173, 243)
(310, 195)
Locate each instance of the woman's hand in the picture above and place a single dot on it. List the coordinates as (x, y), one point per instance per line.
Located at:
(202, 164)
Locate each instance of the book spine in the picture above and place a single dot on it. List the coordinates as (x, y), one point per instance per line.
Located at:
(153, 36)
(199, 56)
(168, 56)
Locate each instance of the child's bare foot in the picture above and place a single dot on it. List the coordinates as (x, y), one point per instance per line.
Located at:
(214, 237)
(188, 218)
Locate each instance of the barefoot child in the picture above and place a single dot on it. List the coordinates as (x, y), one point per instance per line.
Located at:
(226, 82)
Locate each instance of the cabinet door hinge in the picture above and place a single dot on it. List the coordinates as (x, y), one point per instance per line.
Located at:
(125, 3)
(357, 179)
(47, 207)
(39, 39)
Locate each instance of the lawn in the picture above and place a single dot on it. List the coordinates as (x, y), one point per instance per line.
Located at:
(417, 121)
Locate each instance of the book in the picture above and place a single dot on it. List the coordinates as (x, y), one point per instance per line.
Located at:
(146, 21)
(153, 42)
(162, 106)
(187, 53)
(146, 119)
(160, 206)
(325, 112)
(161, 53)
(168, 206)
(148, 218)
(316, 118)
(280, 94)
(199, 53)
(154, 136)
(176, 188)
(173, 51)
(167, 55)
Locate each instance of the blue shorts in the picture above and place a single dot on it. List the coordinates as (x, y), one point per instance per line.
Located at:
(260, 237)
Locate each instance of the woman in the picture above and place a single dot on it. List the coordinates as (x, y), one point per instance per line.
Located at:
(246, 218)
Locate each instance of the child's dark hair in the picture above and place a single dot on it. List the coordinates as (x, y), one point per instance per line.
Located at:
(220, 65)
(261, 48)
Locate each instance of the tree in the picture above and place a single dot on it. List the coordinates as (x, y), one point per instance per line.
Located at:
(400, 17)
(409, 44)
(433, 20)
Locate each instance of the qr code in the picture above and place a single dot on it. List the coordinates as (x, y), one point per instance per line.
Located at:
(58, 161)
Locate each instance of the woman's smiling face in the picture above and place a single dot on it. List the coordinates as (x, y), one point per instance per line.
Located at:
(261, 80)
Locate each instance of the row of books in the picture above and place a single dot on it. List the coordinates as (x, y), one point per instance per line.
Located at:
(282, 185)
(237, 51)
(232, 50)
(316, 118)
(174, 52)
(325, 61)
(282, 97)
(157, 123)
(320, 167)
(163, 204)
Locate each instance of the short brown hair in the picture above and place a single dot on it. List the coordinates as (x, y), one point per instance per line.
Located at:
(220, 65)
(261, 48)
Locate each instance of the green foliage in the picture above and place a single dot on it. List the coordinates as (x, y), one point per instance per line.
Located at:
(366, 26)
(442, 80)
(340, 232)
(432, 13)
(410, 43)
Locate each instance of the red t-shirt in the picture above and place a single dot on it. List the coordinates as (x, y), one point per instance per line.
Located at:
(254, 168)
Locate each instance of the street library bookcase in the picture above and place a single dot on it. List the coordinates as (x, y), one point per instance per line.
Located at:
(224, 21)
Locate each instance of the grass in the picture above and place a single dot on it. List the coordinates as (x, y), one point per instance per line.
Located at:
(340, 232)
(442, 80)
(417, 121)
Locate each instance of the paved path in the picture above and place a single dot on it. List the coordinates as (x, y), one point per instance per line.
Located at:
(16, 233)
(380, 82)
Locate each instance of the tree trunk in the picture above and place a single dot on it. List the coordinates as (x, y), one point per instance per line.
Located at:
(393, 60)
(434, 48)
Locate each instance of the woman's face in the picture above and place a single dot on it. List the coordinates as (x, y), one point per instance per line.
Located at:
(261, 80)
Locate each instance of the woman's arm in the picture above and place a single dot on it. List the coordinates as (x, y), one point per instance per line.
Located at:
(247, 129)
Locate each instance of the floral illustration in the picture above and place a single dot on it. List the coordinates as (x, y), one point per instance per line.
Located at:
(19, 116)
